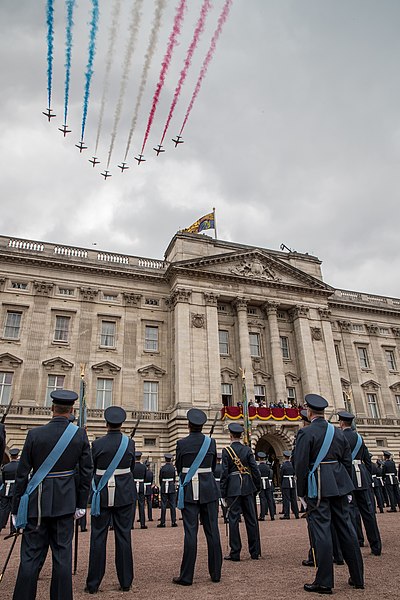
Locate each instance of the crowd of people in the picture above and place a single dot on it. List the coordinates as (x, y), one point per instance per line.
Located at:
(329, 471)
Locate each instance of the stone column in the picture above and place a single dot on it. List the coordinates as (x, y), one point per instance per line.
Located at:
(305, 350)
(385, 398)
(336, 387)
(353, 369)
(244, 345)
(278, 373)
(87, 343)
(214, 364)
(131, 385)
(179, 300)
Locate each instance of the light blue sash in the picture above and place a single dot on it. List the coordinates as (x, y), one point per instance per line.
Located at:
(312, 484)
(95, 509)
(356, 447)
(42, 472)
(192, 470)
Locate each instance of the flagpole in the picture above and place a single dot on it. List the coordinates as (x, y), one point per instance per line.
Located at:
(246, 419)
(215, 224)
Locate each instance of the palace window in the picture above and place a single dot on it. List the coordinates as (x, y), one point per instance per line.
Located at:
(338, 355)
(397, 398)
(285, 347)
(291, 395)
(5, 387)
(373, 406)
(357, 327)
(226, 392)
(18, 285)
(152, 302)
(223, 342)
(255, 347)
(108, 334)
(61, 330)
(54, 382)
(110, 297)
(151, 338)
(104, 391)
(150, 396)
(390, 360)
(259, 393)
(12, 327)
(66, 291)
(363, 357)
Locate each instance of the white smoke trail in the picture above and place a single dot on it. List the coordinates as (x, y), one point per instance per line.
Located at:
(136, 16)
(110, 57)
(160, 6)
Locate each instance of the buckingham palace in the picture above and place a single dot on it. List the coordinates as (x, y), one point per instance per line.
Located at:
(160, 336)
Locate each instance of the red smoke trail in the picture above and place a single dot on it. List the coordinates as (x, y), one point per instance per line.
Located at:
(221, 21)
(165, 64)
(196, 36)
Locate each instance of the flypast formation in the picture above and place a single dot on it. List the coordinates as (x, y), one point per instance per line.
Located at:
(103, 113)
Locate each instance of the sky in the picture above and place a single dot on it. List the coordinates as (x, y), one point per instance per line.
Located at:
(294, 136)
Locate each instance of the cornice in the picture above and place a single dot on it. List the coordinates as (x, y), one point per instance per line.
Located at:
(375, 310)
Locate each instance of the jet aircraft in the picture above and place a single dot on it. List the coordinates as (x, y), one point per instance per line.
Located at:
(49, 114)
(94, 161)
(64, 129)
(123, 166)
(178, 140)
(140, 158)
(158, 149)
(106, 174)
(81, 146)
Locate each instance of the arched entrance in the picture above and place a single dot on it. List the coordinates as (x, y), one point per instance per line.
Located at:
(273, 440)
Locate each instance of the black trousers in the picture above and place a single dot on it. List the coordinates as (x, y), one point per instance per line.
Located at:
(393, 495)
(208, 515)
(378, 497)
(5, 509)
(237, 506)
(334, 510)
(122, 522)
(289, 499)
(140, 502)
(56, 532)
(362, 500)
(149, 503)
(336, 549)
(168, 501)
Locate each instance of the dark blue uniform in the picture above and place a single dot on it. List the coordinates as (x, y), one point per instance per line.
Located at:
(239, 489)
(139, 475)
(267, 502)
(201, 499)
(8, 476)
(2, 442)
(56, 503)
(361, 496)
(116, 502)
(288, 488)
(377, 485)
(332, 505)
(391, 481)
(217, 475)
(148, 483)
(167, 478)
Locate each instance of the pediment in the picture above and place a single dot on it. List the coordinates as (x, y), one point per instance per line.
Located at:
(9, 360)
(253, 265)
(152, 371)
(291, 378)
(57, 363)
(228, 374)
(395, 387)
(106, 368)
(370, 385)
(345, 383)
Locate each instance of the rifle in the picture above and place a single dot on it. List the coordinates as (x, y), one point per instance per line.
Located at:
(136, 426)
(214, 423)
(7, 410)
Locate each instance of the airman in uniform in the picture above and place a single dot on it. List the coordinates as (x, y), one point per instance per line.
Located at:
(8, 475)
(167, 478)
(288, 487)
(266, 492)
(139, 475)
(148, 483)
(391, 481)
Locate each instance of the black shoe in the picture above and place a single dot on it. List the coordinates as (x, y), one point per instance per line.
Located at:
(319, 589)
(392, 510)
(272, 518)
(296, 517)
(229, 557)
(161, 525)
(215, 580)
(376, 552)
(83, 530)
(125, 589)
(284, 518)
(179, 581)
(359, 586)
(340, 563)
(261, 518)
(381, 511)
(307, 563)
(89, 591)
(254, 557)
(143, 527)
(174, 525)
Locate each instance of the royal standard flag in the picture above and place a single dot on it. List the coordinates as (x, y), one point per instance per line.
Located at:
(206, 222)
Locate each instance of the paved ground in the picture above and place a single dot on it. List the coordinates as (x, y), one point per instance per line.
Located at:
(278, 575)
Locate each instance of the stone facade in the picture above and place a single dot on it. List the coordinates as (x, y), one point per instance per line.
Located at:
(158, 337)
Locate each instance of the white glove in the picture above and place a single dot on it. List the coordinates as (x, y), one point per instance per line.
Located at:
(223, 502)
(349, 497)
(14, 520)
(303, 502)
(79, 513)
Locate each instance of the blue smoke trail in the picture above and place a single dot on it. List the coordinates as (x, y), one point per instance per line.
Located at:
(70, 4)
(50, 39)
(89, 67)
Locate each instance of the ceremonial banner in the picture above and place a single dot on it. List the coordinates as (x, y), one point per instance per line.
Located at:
(206, 222)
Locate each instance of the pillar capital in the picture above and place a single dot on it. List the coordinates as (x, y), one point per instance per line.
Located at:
(299, 311)
(210, 298)
(270, 308)
(240, 304)
(324, 313)
(179, 295)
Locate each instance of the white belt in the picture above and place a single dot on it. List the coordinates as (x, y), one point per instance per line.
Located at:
(166, 483)
(111, 482)
(391, 475)
(357, 464)
(8, 484)
(219, 479)
(195, 479)
(138, 482)
(290, 477)
(264, 482)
